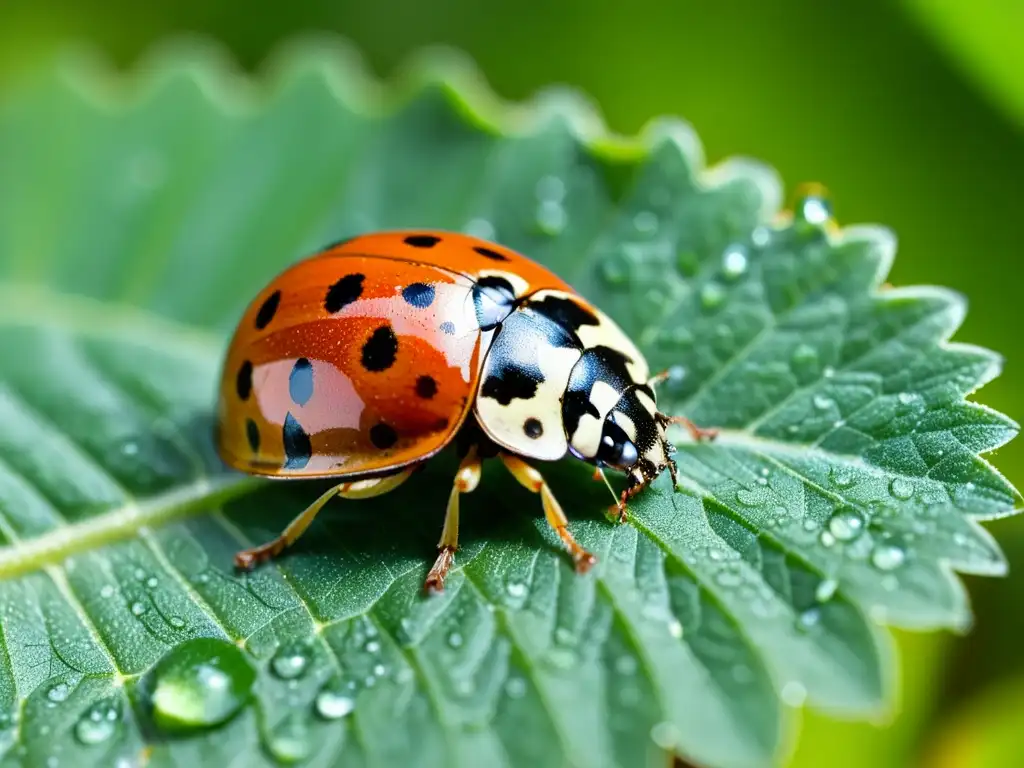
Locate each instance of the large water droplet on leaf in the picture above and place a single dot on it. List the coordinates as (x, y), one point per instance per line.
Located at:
(712, 295)
(58, 692)
(846, 524)
(290, 661)
(813, 206)
(332, 703)
(826, 590)
(98, 723)
(290, 741)
(198, 684)
(901, 488)
(888, 557)
(734, 262)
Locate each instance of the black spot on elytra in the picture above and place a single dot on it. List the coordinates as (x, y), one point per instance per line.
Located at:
(575, 404)
(344, 292)
(448, 327)
(532, 428)
(418, 295)
(383, 435)
(252, 432)
(380, 349)
(426, 387)
(511, 383)
(243, 381)
(563, 311)
(488, 253)
(422, 241)
(297, 446)
(268, 310)
(300, 381)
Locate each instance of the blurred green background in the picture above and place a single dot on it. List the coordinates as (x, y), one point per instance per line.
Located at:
(911, 112)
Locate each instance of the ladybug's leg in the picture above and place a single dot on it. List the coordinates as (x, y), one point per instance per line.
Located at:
(466, 480)
(697, 433)
(534, 481)
(359, 489)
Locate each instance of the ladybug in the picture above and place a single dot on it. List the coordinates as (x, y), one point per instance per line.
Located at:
(363, 361)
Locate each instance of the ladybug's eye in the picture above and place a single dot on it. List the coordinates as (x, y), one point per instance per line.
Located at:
(616, 449)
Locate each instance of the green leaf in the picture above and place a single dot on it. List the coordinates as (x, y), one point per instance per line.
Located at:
(139, 214)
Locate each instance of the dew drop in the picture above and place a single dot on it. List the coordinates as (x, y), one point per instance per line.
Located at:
(625, 665)
(734, 262)
(379, 670)
(151, 582)
(373, 647)
(906, 397)
(515, 687)
(793, 694)
(614, 272)
(665, 735)
(825, 590)
(887, 557)
(901, 488)
(550, 188)
(823, 403)
(804, 354)
(679, 336)
(481, 228)
(826, 539)
(810, 618)
(176, 621)
(711, 295)
(98, 723)
(107, 591)
(748, 498)
(130, 448)
(551, 217)
(516, 589)
(846, 524)
(290, 661)
(727, 577)
(828, 372)
(58, 692)
(761, 236)
(455, 640)
(675, 629)
(198, 683)
(645, 221)
(814, 209)
(290, 741)
(140, 574)
(52, 761)
(332, 704)
(138, 608)
(842, 477)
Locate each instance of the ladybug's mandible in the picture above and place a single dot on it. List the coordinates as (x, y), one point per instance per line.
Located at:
(363, 361)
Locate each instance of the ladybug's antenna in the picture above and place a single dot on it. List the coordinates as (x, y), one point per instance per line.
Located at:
(598, 472)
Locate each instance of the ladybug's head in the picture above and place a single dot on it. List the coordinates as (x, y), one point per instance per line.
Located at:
(633, 437)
